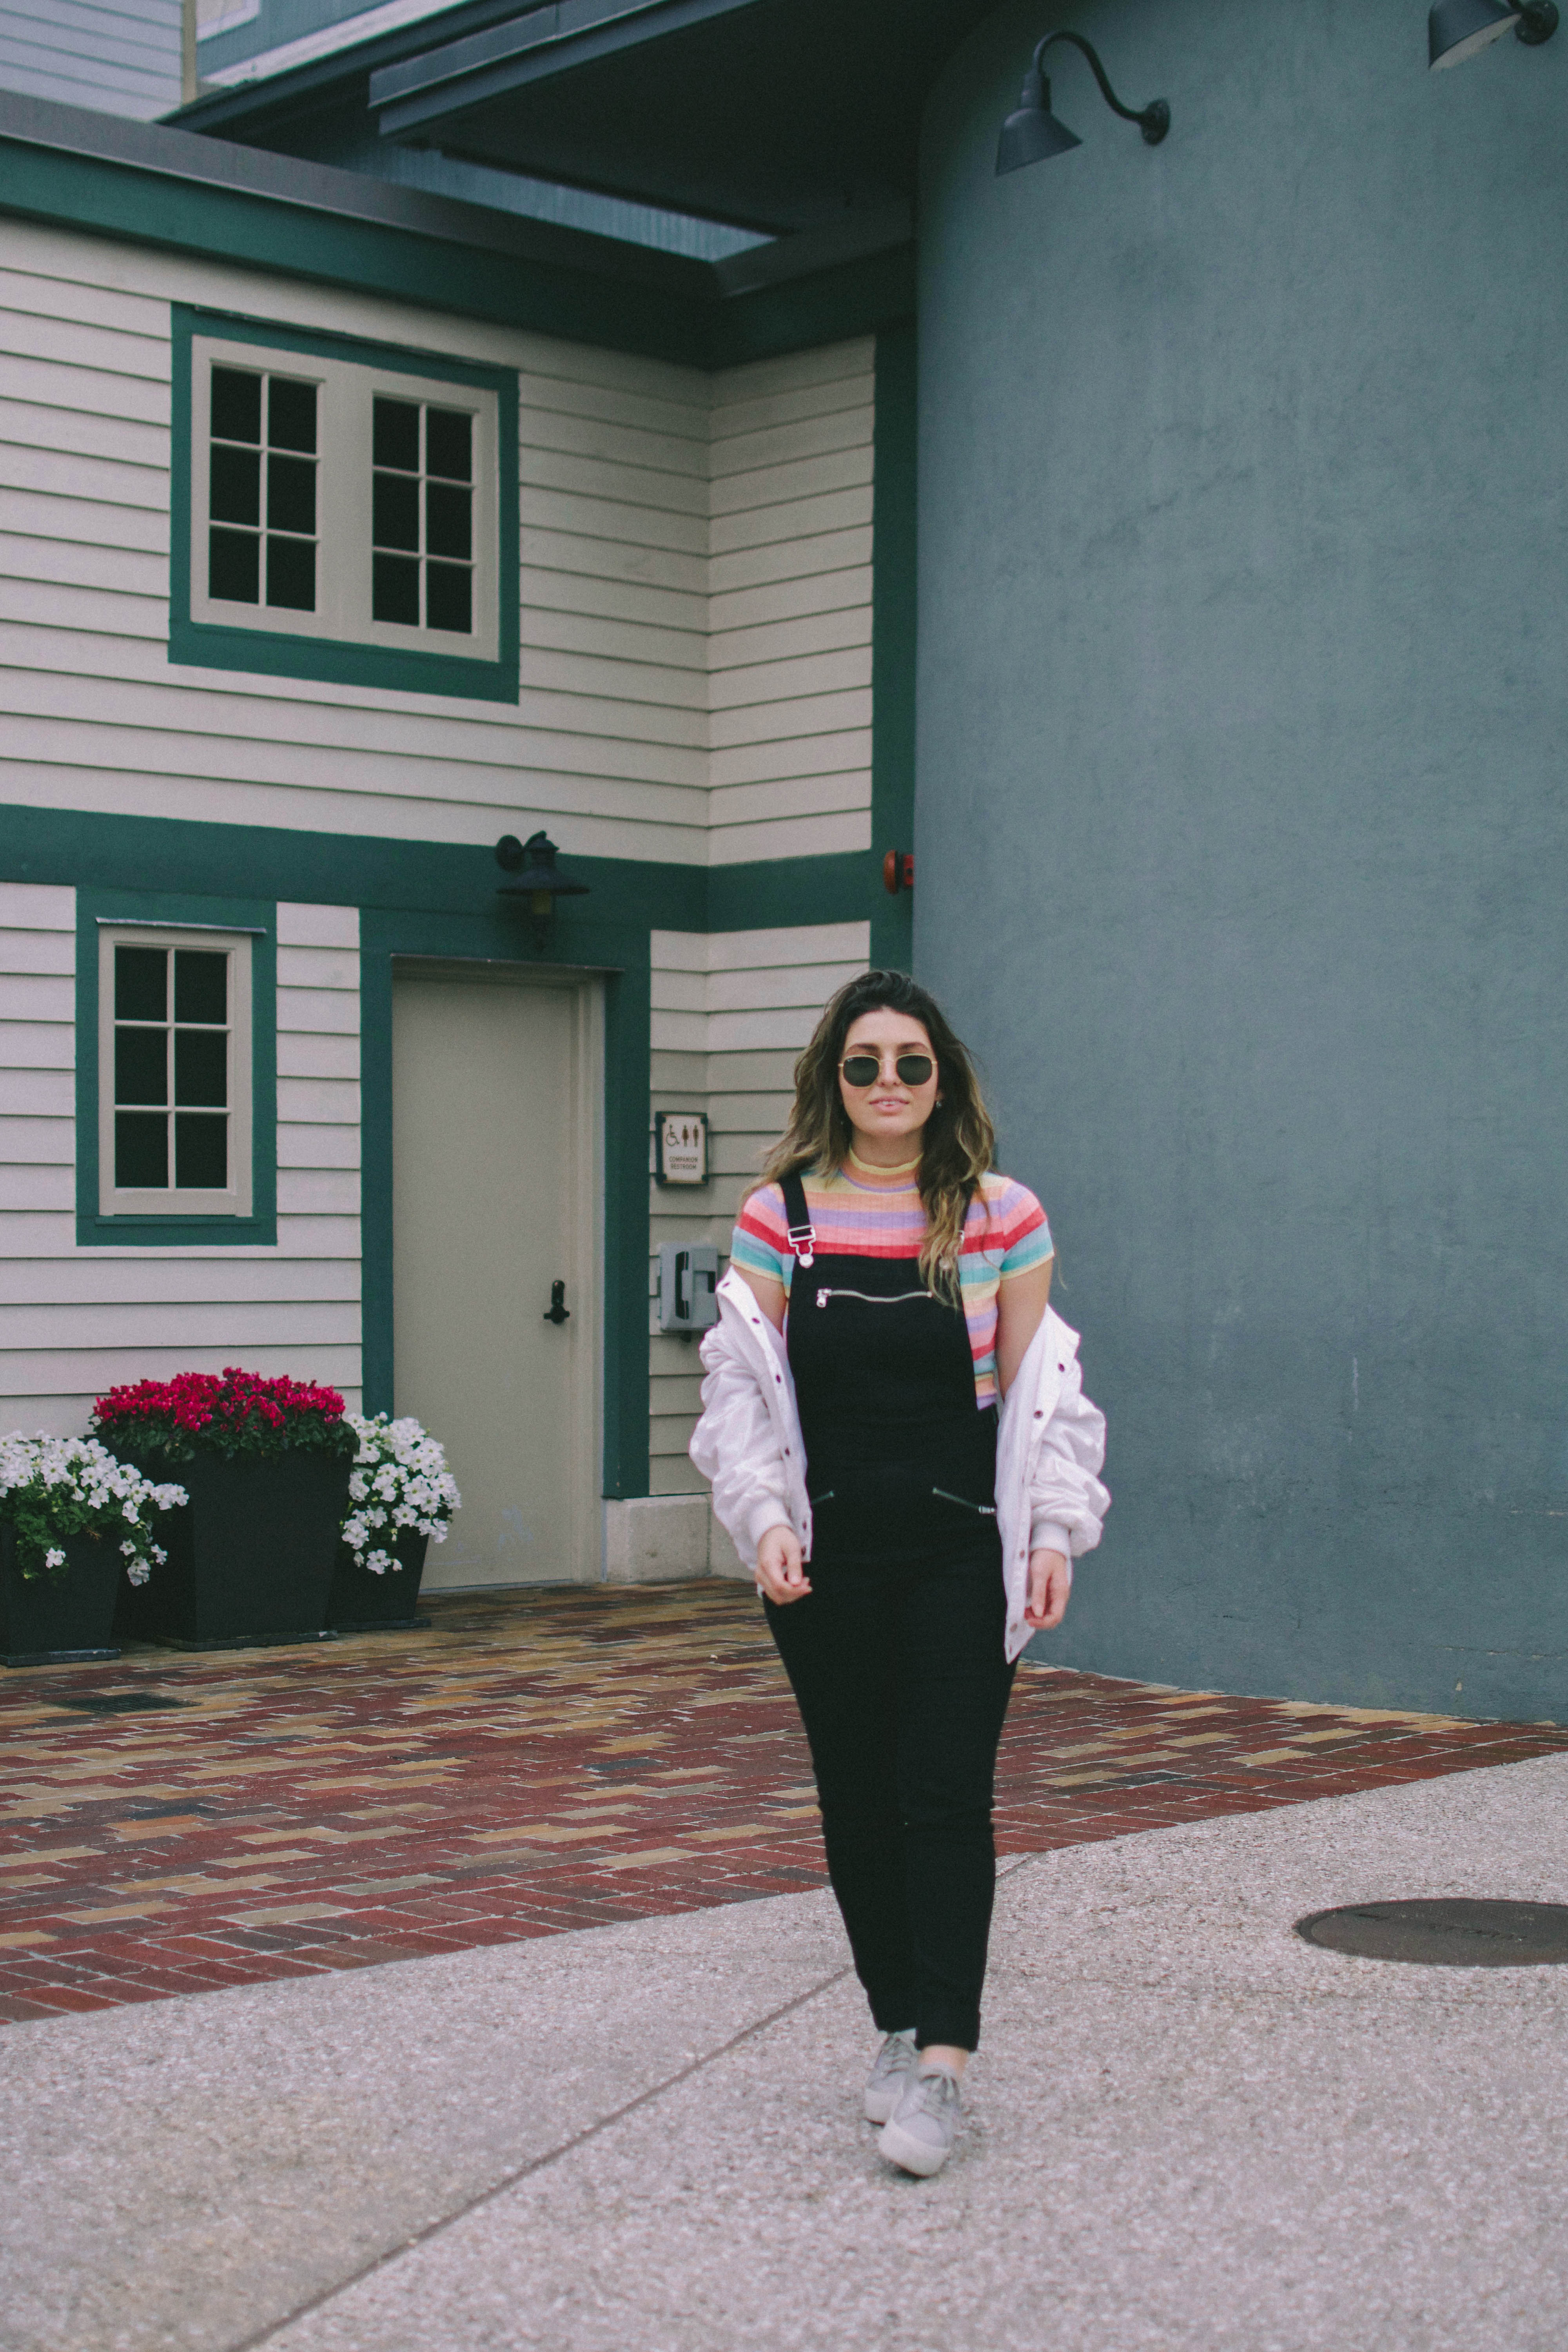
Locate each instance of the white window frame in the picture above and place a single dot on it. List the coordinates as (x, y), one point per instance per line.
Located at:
(347, 390)
(171, 1201)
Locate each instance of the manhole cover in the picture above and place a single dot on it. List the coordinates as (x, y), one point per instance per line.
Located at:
(118, 1702)
(1449, 1932)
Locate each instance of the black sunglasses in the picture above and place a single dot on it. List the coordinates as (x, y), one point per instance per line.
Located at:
(865, 1069)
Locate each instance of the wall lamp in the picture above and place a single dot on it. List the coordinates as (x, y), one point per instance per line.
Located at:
(1032, 134)
(1457, 29)
(539, 880)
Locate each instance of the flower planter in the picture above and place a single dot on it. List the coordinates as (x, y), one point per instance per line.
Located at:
(363, 1604)
(43, 1619)
(251, 1555)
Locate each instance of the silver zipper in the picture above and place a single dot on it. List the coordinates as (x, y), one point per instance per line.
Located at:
(872, 1298)
(986, 1510)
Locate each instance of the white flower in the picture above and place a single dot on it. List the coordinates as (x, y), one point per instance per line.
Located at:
(400, 1479)
(79, 1480)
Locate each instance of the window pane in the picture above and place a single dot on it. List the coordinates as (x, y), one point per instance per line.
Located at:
(234, 486)
(141, 1150)
(201, 1151)
(236, 404)
(291, 494)
(201, 984)
(397, 435)
(141, 983)
(446, 531)
(291, 573)
(395, 589)
(395, 517)
(290, 414)
(201, 1068)
(449, 436)
(448, 597)
(234, 566)
(141, 1066)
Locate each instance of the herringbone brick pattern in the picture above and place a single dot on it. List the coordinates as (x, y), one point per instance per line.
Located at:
(553, 1761)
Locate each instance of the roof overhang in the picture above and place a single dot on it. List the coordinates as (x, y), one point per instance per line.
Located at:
(247, 208)
(779, 115)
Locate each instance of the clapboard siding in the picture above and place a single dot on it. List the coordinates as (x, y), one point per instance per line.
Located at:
(790, 610)
(695, 643)
(732, 1009)
(610, 731)
(75, 1321)
(123, 60)
(694, 568)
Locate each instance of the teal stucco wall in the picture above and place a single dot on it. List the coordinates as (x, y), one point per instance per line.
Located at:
(1243, 850)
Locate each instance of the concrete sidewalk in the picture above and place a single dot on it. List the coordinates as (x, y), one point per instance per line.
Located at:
(1187, 2127)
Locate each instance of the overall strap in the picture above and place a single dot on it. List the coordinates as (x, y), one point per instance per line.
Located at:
(802, 1233)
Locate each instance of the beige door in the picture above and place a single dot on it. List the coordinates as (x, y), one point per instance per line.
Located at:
(494, 1188)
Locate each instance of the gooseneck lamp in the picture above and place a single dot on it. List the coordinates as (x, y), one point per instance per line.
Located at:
(538, 881)
(1457, 29)
(1032, 134)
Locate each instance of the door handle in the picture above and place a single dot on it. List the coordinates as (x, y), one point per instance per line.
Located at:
(557, 1311)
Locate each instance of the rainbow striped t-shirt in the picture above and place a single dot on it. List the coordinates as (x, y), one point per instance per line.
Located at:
(1006, 1233)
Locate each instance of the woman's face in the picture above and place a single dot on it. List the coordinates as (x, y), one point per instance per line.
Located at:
(890, 1108)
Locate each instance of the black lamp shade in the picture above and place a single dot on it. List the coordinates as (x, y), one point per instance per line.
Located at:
(538, 878)
(1456, 29)
(1032, 134)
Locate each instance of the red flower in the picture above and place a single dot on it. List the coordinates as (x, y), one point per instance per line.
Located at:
(191, 1401)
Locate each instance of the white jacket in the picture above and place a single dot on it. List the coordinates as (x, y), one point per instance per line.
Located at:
(1050, 1443)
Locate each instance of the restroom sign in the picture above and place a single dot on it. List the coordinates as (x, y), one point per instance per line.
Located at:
(681, 1147)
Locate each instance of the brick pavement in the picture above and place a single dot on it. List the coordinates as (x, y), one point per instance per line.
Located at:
(554, 1761)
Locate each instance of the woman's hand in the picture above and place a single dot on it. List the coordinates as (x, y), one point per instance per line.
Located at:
(781, 1573)
(1050, 1582)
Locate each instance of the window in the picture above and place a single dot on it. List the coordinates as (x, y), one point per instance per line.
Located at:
(175, 1061)
(262, 491)
(351, 517)
(422, 515)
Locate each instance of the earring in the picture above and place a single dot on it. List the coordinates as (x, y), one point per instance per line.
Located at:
(939, 1102)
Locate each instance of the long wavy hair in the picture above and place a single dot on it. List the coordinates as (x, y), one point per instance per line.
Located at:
(960, 1142)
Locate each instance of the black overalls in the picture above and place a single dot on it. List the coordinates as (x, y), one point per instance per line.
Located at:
(896, 1654)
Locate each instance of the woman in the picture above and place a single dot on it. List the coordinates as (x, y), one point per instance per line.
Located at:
(886, 1292)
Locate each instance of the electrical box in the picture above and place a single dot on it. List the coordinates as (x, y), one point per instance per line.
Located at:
(687, 1280)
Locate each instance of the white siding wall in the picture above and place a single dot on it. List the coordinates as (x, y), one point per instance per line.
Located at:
(732, 1012)
(121, 57)
(696, 598)
(695, 577)
(74, 1321)
(607, 743)
(789, 652)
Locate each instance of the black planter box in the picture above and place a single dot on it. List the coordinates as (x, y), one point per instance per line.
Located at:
(45, 1620)
(364, 1603)
(250, 1556)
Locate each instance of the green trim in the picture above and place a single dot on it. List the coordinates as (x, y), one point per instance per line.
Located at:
(628, 1081)
(893, 623)
(620, 952)
(265, 232)
(629, 896)
(153, 905)
(420, 898)
(858, 297)
(280, 654)
(157, 206)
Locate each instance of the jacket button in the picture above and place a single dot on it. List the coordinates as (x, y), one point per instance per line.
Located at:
(1040, 1412)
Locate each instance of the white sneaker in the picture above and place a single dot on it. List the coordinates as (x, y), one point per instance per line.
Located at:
(890, 2076)
(919, 2134)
